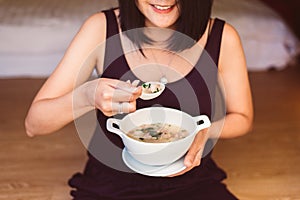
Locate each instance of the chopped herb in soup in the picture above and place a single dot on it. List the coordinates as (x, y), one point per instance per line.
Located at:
(157, 133)
(151, 88)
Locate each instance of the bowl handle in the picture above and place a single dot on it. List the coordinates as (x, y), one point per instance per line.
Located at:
(109, 125)
(205, 122)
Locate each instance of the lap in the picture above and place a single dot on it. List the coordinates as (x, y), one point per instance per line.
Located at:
(101, 182)
(205, 191)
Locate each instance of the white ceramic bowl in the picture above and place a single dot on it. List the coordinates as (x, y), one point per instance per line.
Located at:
(157, 153)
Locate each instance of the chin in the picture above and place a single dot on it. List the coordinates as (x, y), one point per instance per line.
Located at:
(165, 25)
(160, 23)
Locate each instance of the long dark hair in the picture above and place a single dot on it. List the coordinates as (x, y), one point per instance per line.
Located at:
(192, 22)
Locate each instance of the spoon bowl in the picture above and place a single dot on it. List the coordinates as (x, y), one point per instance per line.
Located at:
(151, 90)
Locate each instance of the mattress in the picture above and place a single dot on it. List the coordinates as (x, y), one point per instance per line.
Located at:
(34, 34)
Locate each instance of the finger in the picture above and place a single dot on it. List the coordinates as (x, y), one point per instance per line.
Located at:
(113, 108)
(198, 158)
(191, 155)
(196, 162)
(196, 146)
(109, 93)
(194, 155)
(135, 83)
(181, 172)
(119, 95)
(117, 84)
(124, 107)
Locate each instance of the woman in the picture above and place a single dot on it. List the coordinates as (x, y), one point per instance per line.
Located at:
(111, 94)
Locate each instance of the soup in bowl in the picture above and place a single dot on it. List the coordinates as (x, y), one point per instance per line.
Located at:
(157, 135)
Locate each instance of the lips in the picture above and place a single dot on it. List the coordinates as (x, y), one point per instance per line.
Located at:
(162, 8)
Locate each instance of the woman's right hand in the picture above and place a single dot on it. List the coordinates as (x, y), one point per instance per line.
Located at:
(113, 96)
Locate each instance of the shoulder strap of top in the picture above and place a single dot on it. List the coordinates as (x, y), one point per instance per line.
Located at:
(113, 48)
(214, 40)
(111, 23)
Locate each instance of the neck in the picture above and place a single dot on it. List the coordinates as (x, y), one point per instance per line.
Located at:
(158, 35)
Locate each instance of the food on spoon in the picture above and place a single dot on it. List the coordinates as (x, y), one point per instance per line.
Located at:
(151, 88)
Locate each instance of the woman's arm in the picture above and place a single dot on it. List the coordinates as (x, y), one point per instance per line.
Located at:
(236, 88)
(237, 93)
(65, 95)
(51, 109)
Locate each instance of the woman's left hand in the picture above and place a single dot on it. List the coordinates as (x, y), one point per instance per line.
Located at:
(194, 155)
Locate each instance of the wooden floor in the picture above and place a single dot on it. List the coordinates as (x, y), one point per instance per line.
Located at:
(263, 165)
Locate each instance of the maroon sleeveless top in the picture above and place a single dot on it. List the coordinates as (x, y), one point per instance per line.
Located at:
(103, 182)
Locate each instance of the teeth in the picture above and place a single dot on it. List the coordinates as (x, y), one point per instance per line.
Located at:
(162, 7)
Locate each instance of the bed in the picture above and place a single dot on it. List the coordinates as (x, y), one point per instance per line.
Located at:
(268, 41)
(24, 25)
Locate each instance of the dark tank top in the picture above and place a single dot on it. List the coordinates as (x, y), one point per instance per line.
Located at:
(107, 182)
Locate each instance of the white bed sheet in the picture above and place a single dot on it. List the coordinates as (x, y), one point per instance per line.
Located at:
(24, 25)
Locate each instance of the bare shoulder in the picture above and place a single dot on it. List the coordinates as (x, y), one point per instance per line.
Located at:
(232, 55)
(230, 36)
(95, 26)
(96, 19)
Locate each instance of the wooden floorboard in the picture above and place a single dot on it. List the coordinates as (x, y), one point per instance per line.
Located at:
(263, 165)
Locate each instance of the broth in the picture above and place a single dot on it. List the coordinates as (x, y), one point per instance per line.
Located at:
(157, 133)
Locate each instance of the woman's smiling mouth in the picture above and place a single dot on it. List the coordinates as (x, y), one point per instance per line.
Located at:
(162, 8)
